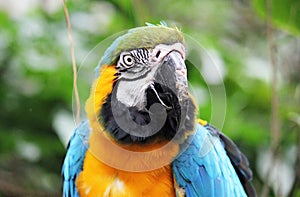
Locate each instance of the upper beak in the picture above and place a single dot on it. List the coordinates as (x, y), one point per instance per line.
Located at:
(172, 73)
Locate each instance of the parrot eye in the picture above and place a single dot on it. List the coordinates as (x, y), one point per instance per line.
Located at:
(128, 60)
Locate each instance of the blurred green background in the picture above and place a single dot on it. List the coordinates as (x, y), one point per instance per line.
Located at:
(36, 118)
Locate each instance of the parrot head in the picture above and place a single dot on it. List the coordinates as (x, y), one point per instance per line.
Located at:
(141, 91)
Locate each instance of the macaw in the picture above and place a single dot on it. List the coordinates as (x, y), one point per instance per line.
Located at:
(142, 136)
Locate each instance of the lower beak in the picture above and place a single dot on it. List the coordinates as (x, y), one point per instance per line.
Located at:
(172, 73)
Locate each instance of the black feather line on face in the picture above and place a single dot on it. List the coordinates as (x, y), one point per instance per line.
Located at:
(141, 117)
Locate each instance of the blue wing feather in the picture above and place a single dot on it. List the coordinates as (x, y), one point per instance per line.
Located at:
(73, 162)
(204, 169)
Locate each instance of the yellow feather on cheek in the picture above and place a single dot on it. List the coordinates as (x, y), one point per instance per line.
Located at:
(102, 86)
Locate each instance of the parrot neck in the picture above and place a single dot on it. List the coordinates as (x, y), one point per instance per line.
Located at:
(134, 157)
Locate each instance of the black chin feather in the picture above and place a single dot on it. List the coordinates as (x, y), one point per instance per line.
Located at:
(141, 117)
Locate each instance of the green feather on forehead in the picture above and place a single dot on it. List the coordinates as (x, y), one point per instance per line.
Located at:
(141, 37)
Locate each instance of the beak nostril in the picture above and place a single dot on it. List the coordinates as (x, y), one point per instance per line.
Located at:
(157, 54)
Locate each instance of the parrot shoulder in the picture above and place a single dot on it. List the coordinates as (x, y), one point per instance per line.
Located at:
(238, 159)
(74, 158)
(211, 165)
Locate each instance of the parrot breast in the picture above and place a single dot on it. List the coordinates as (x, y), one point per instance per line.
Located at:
(99, 179)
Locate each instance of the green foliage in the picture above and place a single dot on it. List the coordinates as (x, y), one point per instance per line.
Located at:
(285, 13)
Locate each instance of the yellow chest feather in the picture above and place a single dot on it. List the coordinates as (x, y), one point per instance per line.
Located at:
(98, 179)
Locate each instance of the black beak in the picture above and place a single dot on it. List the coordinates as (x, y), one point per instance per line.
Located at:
(172, 75)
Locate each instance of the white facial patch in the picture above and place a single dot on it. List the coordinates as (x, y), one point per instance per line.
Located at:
(162, 50)
(132, 92)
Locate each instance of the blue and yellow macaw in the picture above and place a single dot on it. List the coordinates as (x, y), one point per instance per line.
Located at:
(142, 137)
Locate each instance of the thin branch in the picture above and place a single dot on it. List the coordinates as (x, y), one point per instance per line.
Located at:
(275, 100)
(274, 127)
(73, 62)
